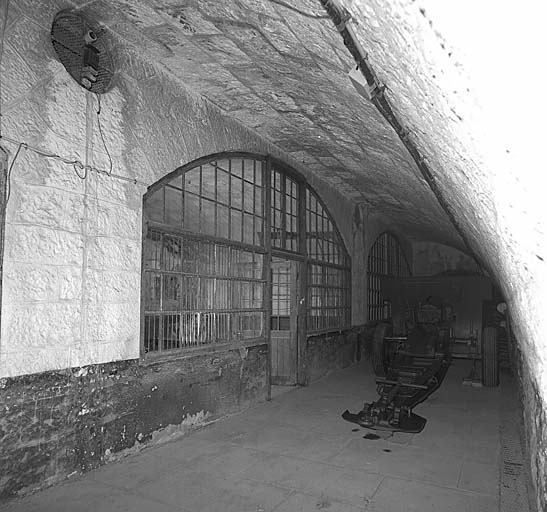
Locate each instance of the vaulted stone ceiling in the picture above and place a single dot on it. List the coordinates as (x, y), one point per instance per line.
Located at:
(281, 68)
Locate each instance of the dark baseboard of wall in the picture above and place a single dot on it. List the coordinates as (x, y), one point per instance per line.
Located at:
(334, 350)
(56, 423)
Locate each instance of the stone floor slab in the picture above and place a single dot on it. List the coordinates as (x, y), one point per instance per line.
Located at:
(296, 453)
(398, 495)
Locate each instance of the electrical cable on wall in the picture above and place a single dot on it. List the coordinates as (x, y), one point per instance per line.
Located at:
(80, 169)
(8, 179)
(101, 131)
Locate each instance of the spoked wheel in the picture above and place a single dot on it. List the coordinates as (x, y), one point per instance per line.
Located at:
(380, 350)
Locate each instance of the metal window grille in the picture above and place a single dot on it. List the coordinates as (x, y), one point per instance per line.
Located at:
(204, 251)
(386, 258)
(284, 212)
(203, 257)
(198, 292)
(329, 297)
(281, 299)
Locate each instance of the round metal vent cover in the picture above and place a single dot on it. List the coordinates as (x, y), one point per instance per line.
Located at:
(83, 51)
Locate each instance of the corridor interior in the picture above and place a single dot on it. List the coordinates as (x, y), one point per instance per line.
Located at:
(296, 453)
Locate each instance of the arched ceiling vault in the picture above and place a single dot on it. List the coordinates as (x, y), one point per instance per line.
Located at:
(281, 68)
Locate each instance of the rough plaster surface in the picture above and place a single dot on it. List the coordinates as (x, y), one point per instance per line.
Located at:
(189, 78)
(71, 291)
(447, 87)
(430, 259)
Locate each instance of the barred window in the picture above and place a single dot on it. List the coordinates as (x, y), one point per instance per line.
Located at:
(328, 270)
(284, 212)
(386, 258)
(205, 248)
(200, 290)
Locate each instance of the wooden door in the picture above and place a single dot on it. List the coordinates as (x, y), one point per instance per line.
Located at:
(284, 321)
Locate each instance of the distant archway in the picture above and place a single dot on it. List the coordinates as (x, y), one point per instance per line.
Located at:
(386, 258)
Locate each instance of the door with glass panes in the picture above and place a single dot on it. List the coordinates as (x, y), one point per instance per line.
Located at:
(284, 321)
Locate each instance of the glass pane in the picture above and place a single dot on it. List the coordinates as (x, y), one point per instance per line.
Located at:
(257, 295)
(235, 225)
(173, 207)
(276, 200)
(152, 290)
(236, 192)
(208, 217)
(191, 180)
(191, 212)
(172, 253)
(207, 292)
(248, 170)
(223, 165)
(248, 229)
(258, 266)
(208, 184)
(236, 295)
(248, 199)
(258, 202)
(190, 251)
(222, 187)
(222, 221)
(259, 237)
(176, 182)
(221, 295)
(152, 250)
(258, 173)
(222, 260)
(246, 264)
(189, 292)
(151, 332)
(206, 263)
(171, 293)
(234, 262)
(236, 167)
(154, 205)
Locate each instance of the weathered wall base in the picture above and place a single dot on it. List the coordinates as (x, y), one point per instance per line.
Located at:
(535, 429)
(332, 351)
(57, 423)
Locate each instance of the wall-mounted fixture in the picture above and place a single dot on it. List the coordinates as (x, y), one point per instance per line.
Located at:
(365, 89)
(82, 50)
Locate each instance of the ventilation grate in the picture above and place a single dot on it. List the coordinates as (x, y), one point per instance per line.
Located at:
(70, 36)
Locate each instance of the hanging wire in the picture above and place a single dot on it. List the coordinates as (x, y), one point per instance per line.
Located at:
(80, 166)
(75, 163)
(101, 132)
(8, 180)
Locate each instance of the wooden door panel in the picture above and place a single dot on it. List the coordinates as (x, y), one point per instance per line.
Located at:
(283, 328)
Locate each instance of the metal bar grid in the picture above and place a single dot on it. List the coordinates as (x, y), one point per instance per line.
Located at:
(386, 258)
(205, 252)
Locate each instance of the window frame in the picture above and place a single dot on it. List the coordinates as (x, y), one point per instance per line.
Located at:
(270, 166)
(386, 258)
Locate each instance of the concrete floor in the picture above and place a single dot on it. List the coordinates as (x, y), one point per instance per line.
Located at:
(295, 453)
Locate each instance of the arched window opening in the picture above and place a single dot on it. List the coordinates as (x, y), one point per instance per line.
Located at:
(206, 254)
(328, 270)
(204, 274)
(386, 258)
